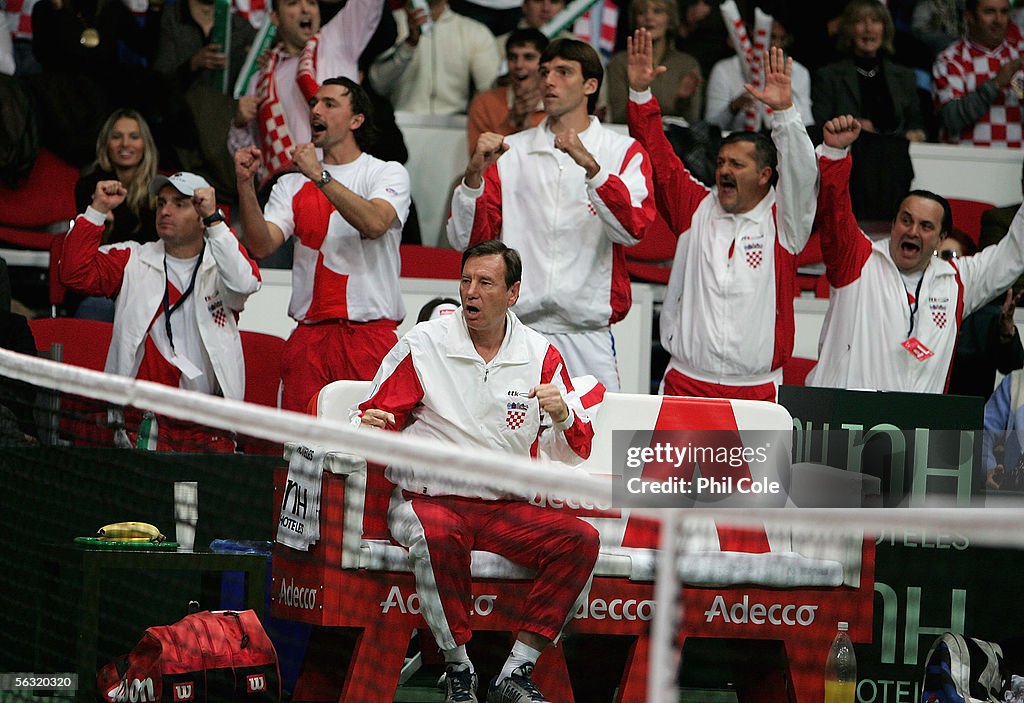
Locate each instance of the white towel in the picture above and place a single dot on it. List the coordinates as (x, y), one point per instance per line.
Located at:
(299, 526)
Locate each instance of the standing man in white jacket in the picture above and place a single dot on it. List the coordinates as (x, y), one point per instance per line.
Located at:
(727, 320)
(570, 195)
(895, 308)
(176, 300)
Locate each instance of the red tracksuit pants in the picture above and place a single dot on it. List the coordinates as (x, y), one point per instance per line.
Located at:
(440, 532)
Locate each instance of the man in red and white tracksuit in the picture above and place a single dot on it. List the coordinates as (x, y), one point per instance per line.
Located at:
(570, 195)
(176, 300)
(346, 215)
(480, 378)
(895, 308)
(727, 319)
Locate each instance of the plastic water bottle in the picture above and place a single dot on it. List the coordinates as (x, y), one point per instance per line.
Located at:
(427, 26)
(146, 438)
(841, 669)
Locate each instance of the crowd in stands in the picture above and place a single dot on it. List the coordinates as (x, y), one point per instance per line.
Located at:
(310, 154)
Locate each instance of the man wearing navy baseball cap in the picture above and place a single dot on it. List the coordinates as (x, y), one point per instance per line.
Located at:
(176, 300)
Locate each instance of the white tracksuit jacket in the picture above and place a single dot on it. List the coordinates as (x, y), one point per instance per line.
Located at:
(869, 316)
(133, 274)
(438, 386)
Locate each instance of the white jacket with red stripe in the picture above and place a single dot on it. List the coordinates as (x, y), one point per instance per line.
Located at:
(869, 316)
(570, 231)
(728, 312)
(438, 386)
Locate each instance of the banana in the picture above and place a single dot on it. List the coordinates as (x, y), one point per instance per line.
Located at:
(130, 532)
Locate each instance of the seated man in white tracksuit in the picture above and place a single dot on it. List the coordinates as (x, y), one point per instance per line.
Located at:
(176, 300)
(895, 308)
(480, 378)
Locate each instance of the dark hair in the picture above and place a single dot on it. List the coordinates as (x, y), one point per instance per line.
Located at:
(971, 6)
(366, 133)
(582, 53)
(524, 36)
(854, 12)
(427, 310)
(764, 149)
(967, 244)
(946, 225)
(495, 247)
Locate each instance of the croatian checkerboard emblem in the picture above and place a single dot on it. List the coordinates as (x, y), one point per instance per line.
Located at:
(515, 415)
(753, 250)
(216, 308)
(939, 307)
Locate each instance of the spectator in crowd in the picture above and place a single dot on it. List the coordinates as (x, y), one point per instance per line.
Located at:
(177, 298)
(203, 75)
(988, 339)
(536, 14)
(727, 320)
(728, 99)
(438, 61)
(701, 33)
(186, 53)
(274, 113)
(571, 195)
(895, 308)
(79, 44)
(507, 109)
(437, 307)
(125, 152)
(867, 84)
(973, 91)
(421, 390)
(678, 86)
(1002, 458)
(346, 215)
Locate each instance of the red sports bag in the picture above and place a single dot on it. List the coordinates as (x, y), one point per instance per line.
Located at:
(204, 657)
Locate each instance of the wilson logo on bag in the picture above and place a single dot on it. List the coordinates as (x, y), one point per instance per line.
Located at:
(205, 657)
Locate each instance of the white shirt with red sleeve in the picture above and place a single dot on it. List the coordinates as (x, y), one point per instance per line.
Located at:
(437, 386)
(728, 311)
(571, 231)
(337, 272)
(872, 312)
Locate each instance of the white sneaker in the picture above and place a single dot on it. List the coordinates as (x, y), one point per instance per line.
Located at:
(517, 688)
(459, 684)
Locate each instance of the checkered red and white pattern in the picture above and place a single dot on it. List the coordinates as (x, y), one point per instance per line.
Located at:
(754, 258)
(515, 419)
(256, 11)
(19, 18)
(963, 68)
(940, 318)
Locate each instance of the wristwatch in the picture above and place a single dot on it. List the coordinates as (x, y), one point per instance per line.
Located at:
(325, 178)
(212, 219)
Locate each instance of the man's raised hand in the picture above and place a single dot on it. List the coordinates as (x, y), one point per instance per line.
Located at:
(640, 68)
(247, 163)
(778, 85)
(489, 148)
(840, 132)
(108, 195)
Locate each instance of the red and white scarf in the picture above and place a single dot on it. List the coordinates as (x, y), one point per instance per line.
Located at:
(276, 143)
(751, 55)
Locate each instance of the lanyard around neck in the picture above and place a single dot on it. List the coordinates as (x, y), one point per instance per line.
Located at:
(913, 306)
(168, 308)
